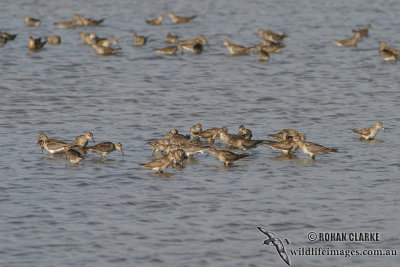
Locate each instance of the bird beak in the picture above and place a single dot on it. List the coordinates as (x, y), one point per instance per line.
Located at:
(122, 152)
(207, 154)
(93, 140)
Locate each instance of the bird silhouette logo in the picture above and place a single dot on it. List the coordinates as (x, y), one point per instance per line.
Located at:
(274, 240)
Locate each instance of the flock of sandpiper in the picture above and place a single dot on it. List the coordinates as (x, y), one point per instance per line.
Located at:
(174, 148)
(270, 41)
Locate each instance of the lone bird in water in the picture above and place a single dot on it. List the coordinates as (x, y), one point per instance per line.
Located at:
(349, 42)
(35, 44)
(363, 32)
(156, 21)
(32, 21)
(369, 133)
(387, 53)
(72, 155)
(313, 149)
(225, 156)
(176, 19)
(104, 148)
(274, 240)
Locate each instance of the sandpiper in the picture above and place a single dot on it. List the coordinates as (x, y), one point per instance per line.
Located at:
(156, 21)
(387, 53)
(32, 21)
(82, 140)
(72, 155)
(225, 156)
(237, 49)
(194, 45)
(140, 40)
(286, 146)
(271, 48)
(313, 149)
(35, 44)
(178, 155)
(363, 32)
(170, 50)
(235, 141)
(171, 38)
(104, 148)
(51, 145)
(245, 133)
(8, 36)
(192, 149)
(65, 24)
(210, 134)
(104, 50)
(81, 20)
(369, 133)
(349, 42)
(263, 53)
(159, 165)
(176, 19)
(194, 130)
(272, 36)
(107, 42)
(284, 134)
(53, 40)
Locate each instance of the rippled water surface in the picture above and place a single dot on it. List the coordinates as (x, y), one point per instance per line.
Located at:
(114, 212)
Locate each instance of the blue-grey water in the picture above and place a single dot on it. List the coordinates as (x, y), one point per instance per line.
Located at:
(114, 212)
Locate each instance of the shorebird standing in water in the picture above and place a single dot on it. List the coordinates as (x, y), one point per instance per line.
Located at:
(370, 132)
(32, 21)
(35, 44)
(105, 148)
(72, 155)
(363, 32)
(272, 36)
(176, 19)
(387, 53)
(284, 134)
(140, 40)
(225, 156)
(83, 140)
(51, 145)
(53, 40)
(245, 133)
(169, 38)
(156, 21)
(286, 146)
(313, 149)
(237, 49)
(349, 42)
(159, 165)
(170, 50)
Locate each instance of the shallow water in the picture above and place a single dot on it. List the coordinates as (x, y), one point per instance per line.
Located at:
(114, 212)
